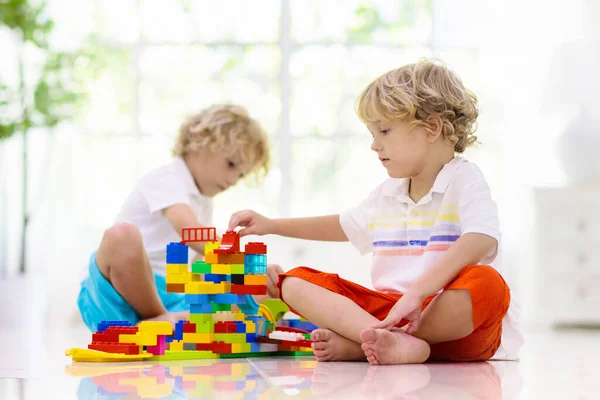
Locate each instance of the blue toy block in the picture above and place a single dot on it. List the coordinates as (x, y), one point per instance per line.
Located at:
(216, 278)
(205, 308)
(197, 298)
(177, 253)
(240, 327)
(254, 347)
(299, 324)
(102, 326)
(251, 337)
(255, 264)
(179, 330)
(240, 385)
(225, 298)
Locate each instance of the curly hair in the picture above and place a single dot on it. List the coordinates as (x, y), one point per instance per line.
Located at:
(414, 92)
(226, 127)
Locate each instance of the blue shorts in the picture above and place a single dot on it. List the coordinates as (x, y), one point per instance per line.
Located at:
(99, 301)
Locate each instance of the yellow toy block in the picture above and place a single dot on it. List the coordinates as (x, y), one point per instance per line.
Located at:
(210, 247)
(141, 339)
(250, 327)
(239, 316)
(223, 287)
(201, 288)
(221, 269)
(211, 258)
(240, 348)
(197, 337)
(155, 327)
(255, 280)
(176, 345)
(179, 278)
(177, 268)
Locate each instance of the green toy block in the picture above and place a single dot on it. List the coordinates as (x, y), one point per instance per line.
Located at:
(230, 337)
(277, 307)
(200, 267)
(205, 327)
(306, 336)
(201, 318)
(237, 269)
(220, 307)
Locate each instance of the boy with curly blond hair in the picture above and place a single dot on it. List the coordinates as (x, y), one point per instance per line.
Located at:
(126, 281)
(433, 230)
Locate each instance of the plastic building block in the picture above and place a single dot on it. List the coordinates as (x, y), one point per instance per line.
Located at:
(175, 287)
(226, 298)
(220, 307)
(155, 327)
(205, 308)
(184, 355)
(230, 243)
(235, 258)
(177, 268)
(304, 325)
(177, 253)
(102, 326)
(189, 327)
(198, 234)
(245, 289)
(237, 269)
(255, 264)
(198, 338)
(121, 348)
(221, 269)
(255, 280)
(211, 258)
(197, 298)
(237, 279)
(201, 318)
(210, 247)
(160, 347)
(255, 248)
(200, 267)
(141, 339)
(216, 278)
(179, 278)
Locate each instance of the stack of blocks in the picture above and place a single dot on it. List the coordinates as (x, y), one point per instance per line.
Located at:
(213, 286)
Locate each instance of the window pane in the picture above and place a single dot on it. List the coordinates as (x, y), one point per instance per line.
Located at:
(109, 86)
(178, 80)
(330, 176)
(328, 79)
(380, 21)
(211, 21)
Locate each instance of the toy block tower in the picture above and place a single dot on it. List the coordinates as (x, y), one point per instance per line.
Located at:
(225, 278)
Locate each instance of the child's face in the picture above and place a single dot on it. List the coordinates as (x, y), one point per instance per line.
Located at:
(215, 172)
(401, 147)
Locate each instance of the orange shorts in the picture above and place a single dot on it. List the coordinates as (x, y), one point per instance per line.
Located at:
(490, 297)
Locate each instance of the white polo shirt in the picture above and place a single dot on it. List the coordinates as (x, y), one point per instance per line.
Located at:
(406, 238)
(161, 188)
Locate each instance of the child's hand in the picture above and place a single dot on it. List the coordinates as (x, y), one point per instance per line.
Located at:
(273, 272)
(408, 307)
(254, 223)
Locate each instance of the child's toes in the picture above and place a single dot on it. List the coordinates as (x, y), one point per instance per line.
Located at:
(372, 360)
(319, 345)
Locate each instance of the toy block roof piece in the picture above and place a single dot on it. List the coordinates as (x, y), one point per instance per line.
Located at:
(230, 243)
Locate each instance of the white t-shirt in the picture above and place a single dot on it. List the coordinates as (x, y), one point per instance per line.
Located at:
(406, 238)
(161, 188)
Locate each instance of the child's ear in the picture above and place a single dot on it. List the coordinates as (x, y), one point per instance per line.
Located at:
(435, 126)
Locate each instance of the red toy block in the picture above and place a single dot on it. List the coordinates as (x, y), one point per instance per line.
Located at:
(204, 346)
(121, 348)
(234, 258)
(248, 289)
(108, 337)
(127, 330)
(230, 243)
(298, 343)
(256, 248)
(221, 348)
(189, 327)
(225, 327)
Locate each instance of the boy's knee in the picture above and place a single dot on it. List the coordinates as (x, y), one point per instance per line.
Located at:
(124, 241)
(290, 288)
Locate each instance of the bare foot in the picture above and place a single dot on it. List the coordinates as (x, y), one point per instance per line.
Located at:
(329, 346)
(172, 317)
(393, 347)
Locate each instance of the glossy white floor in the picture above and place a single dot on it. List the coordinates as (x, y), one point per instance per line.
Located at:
(560, 365)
